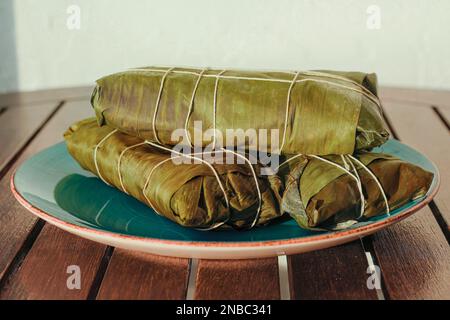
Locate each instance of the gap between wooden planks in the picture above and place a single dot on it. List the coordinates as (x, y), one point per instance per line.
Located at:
(414, 254)
(424, 130)
(41, 272)
(22, 128)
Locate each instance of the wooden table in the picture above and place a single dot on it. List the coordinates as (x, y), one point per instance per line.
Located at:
(413, 255)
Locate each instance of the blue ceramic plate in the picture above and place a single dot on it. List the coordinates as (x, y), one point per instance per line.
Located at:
(55, 188)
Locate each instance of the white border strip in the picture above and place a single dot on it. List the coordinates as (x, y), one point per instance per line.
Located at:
(192, 282)
(283, 277)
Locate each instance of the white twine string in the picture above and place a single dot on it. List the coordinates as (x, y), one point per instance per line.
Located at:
(201, 160)
(216, 85)
(157, 102)
(369, 94)
(335, 165)
(255, 177)
(355, 177)
(191, 105)
(351, 175)
(95, 154)
(196, 158)
(337, 77)
(388, 210)
(359, 185)
(364, 91)
(286, 118)
(120, 160)
(147, 181)
(192, 156)
(288, 160)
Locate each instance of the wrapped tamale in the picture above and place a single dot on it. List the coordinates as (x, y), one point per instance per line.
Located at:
(191, 194)
(320, 195)
(317, 113)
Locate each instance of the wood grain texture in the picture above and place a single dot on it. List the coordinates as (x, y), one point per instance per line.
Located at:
(414, 258)
(17, 125)
(334, 273)
(15, 221)
(137, 275)
(49, 95)
(237, 279)
(414, 255)
(44, 272)
(419, 97)
(425, 131)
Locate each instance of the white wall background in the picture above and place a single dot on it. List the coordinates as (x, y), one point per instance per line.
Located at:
(38, 50)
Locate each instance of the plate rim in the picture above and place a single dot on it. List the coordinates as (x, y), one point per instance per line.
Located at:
(349, 233)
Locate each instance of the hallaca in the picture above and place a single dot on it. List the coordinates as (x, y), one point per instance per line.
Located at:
(334, 192)
(198, 195)
(311, 112)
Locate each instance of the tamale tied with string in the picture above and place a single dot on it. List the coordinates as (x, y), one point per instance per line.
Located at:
(311, 112)
(194, 195)
(334, 192)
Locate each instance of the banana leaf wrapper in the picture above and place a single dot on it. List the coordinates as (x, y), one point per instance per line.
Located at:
(188, 194)
(327, 112)
(322, 197)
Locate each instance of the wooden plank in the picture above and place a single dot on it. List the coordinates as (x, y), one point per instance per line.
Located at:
(414, 258)
(334, 273)
(421, 97)
(414, 255)
(51, 265)
(16, 222)
(422, 129)
(82, 93)
(237, 279)
(17, 126)
(136, 275)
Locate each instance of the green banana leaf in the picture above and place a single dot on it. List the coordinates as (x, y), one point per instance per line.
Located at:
(321, 196)
(329, 112)
(188, 194)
